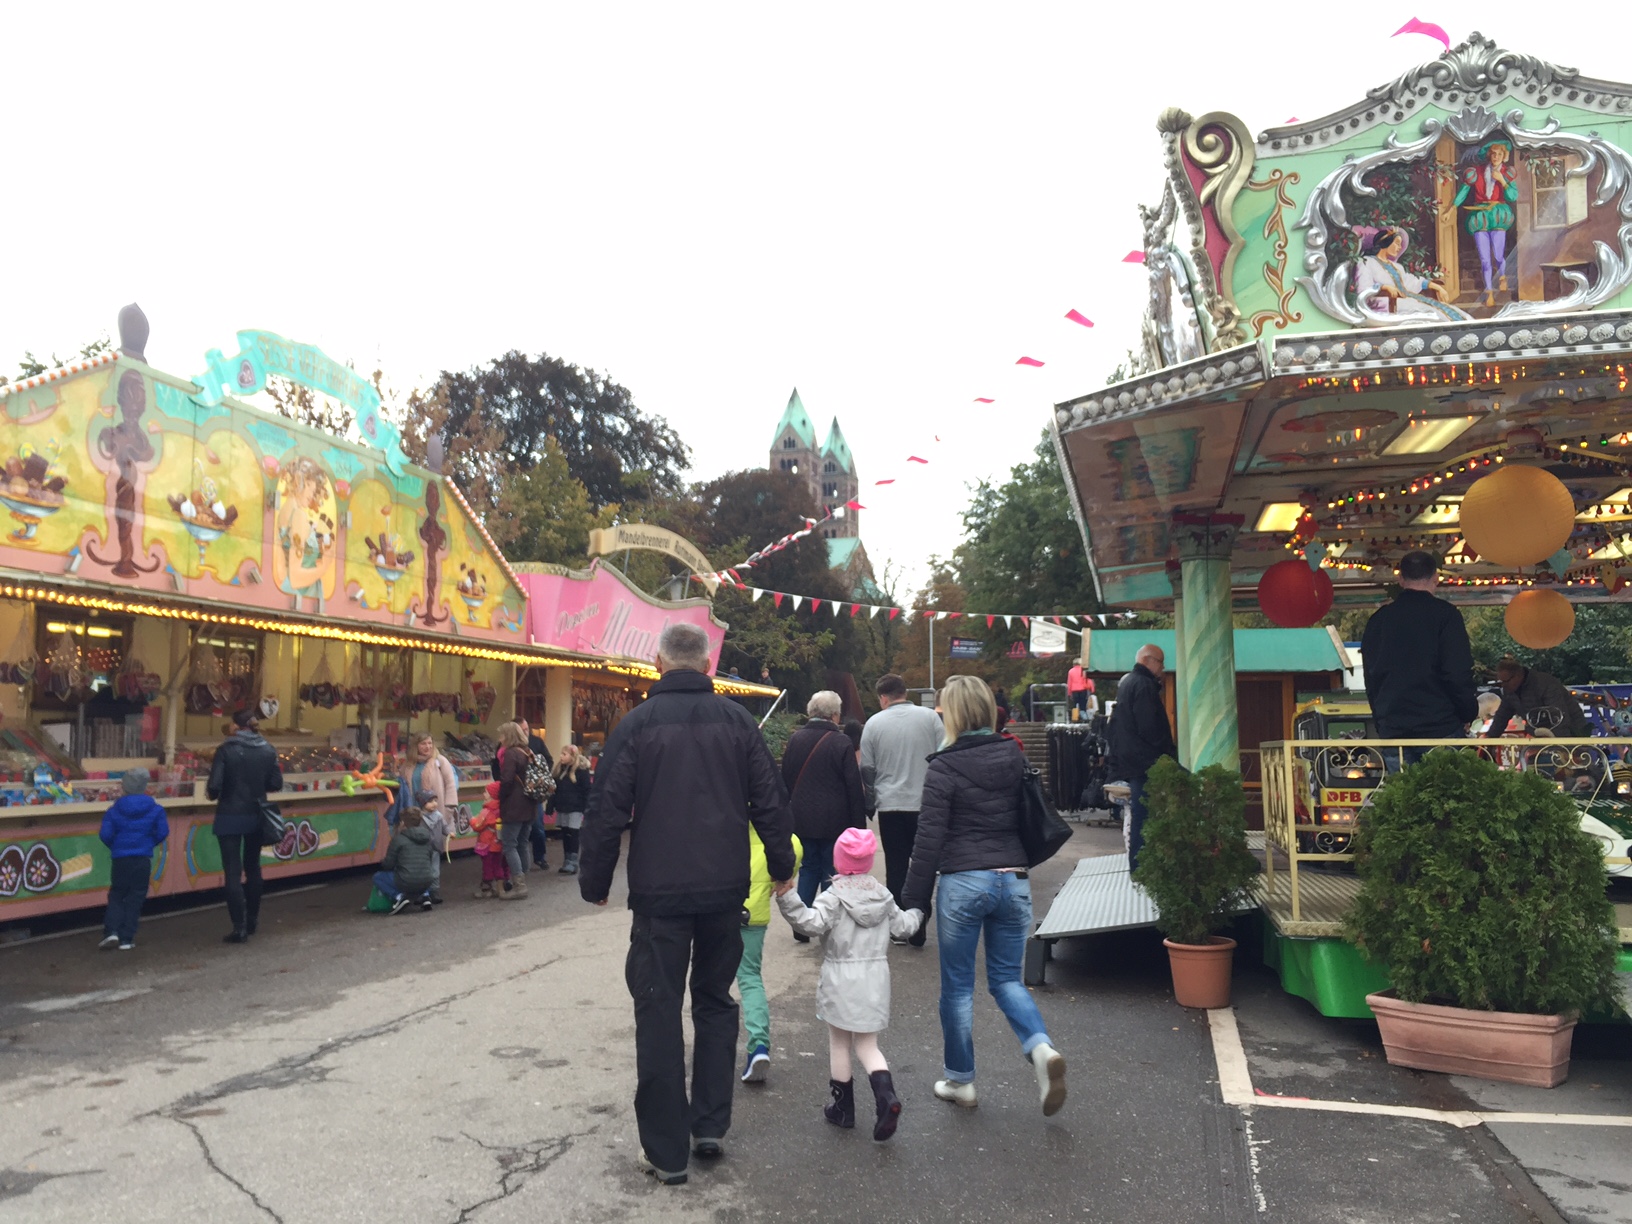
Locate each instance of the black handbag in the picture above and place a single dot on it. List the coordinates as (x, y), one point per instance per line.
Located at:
(273, 825)
(1042, 831)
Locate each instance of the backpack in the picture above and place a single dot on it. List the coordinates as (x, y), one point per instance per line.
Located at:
(538, 783)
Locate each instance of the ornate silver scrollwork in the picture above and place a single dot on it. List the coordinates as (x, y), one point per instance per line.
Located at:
(1475, 65)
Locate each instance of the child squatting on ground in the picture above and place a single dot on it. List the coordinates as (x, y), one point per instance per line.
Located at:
(855, 918)
(756, 1010)
(405, 873)
(133, 827)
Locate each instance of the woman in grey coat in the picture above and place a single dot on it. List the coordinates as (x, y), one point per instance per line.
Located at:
(855, 919)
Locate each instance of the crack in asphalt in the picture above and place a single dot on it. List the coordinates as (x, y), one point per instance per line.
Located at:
(517, 1163)
(215, 1167)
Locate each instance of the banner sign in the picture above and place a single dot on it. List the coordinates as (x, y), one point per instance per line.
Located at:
(966, 648)
(641, 538)
(1047, 638)
(262, 353)
(1017, 651)
(600, 613)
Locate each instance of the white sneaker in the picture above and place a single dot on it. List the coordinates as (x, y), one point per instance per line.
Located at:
(109, 941)
(957, 1093)
(1050, 1068)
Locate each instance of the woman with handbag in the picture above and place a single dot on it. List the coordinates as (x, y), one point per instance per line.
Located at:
(823, 778)
(244, 772)
(517, 809)
(969, 832)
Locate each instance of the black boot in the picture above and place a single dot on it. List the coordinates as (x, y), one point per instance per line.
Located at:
(238, 936)
(889, 1105)
(842, 1112)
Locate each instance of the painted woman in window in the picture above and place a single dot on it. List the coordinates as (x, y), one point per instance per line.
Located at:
(1486, 192)
(1384, 288)
(303, 559)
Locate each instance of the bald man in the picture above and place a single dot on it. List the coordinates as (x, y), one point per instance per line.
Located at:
(1139, 737)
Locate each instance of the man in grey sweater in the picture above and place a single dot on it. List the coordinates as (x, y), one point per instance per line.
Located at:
(895, 745)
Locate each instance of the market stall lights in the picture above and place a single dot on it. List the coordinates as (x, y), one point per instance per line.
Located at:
(1423, 436)
(1277, 517)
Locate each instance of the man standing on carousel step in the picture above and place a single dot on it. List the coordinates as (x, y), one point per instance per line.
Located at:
(685, 773)
(895, 745)
(1419, 666)
(1139, 736)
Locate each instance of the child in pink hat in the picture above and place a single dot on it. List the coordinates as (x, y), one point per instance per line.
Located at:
(855, 919)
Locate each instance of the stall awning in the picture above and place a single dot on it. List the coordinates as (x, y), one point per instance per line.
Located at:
(1112, 651)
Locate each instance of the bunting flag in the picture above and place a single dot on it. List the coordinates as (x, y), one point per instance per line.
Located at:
(1076, 316)
(835, 607)
(916, 459)
(796, 601)
(815, 605)
(891, 480)
(854, 505)
(757, 593)
(776, 598)
(1029, 361)
(1134, 257)
(982, 399)
(855, 610)
(989, 621)
(894, 612)
(1424, 27)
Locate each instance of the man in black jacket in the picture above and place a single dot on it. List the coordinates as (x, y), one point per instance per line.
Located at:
(685, 773)
(1419, 667)
(1139, 736)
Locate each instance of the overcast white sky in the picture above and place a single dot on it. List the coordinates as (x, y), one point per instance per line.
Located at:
(883, 204)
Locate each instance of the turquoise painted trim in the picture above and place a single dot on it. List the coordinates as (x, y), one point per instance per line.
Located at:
(1256, 650)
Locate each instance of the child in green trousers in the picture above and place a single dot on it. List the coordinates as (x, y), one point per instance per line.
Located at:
(756, 1010)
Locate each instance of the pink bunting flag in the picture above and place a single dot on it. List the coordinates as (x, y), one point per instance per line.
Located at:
(891, 480)
(915, 459)
(1029, 361)
(1134, 257)
(1291, 119)
(1076, 316)
(989, 621)
(1026, 621)
(894, 612)
(1424, 27)
(776, 598)
(815, 605)
(854, 505)
(855, 610)
(984, 399)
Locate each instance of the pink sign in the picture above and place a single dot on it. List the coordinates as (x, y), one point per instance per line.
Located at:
(597, 612)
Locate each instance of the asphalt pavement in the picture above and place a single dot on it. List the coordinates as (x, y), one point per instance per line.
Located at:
(476, 1064)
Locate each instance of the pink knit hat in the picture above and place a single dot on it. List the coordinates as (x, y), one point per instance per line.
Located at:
(853, 852)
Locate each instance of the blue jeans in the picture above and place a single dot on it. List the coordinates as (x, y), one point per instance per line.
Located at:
(386, 882)
(127, 889)
(815, 869)
(999, 903)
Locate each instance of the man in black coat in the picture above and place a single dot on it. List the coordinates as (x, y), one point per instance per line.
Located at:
(686, 773)
(1419, 666)
(244, 771)
(823, 778)
(1139, 735)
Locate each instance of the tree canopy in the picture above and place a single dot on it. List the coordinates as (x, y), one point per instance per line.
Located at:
(619, 453)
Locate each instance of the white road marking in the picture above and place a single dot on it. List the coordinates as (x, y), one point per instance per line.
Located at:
(1235, 1086)
(89, 999)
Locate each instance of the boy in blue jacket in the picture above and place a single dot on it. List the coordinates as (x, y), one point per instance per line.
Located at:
(131, 829)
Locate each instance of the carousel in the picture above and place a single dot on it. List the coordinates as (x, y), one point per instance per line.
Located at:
(1405, 326)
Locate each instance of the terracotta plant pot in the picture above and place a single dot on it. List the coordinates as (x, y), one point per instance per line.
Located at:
(1201, 972)
(1512, 1047)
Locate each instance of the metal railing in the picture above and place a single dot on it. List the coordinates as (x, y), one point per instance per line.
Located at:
(1316, 791)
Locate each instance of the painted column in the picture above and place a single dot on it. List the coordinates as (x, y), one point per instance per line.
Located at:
(1181, 708)
(1207, 641)
(557, 708)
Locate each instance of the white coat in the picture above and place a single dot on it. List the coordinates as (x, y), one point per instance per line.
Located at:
(855, 919)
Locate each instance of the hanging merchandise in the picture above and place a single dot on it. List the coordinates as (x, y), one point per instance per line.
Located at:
(1517, 516)
(1293, 595)
(1539, 619)
(65, 667)
(206, 681)
(20, 664)
(322, 692)
(135, 683)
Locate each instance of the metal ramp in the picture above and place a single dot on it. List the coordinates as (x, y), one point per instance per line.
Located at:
(1096, 898)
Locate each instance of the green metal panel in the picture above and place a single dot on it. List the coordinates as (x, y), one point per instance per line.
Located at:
(1256, 650)
(1329, 973)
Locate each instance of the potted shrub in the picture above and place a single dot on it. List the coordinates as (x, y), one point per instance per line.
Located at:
(1196, 867)
(1485, 900)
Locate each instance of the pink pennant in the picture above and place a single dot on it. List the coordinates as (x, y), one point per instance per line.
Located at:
(915, 459)
(1291, 119)
(1026, 621)
(854, 505)
(1424, 27)
(815, 605)
(1029, 361)
(855, 609)
(776, 598)
(891, 480)
(983, 399)
(989, 621)
(894, 612)
(1134, 257)
(1076, 316)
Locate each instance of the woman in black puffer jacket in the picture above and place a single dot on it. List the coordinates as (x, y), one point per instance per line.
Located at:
(969, 833)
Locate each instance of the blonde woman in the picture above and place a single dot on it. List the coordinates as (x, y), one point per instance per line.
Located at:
(517, 809)
(969, 834)
(569, 803)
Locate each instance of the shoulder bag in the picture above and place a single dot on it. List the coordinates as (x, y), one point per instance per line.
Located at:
(1042, 831)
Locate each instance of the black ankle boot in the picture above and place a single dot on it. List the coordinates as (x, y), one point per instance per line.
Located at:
(251, 923)
(237, 936)
(842, 1112)
(889, 1105)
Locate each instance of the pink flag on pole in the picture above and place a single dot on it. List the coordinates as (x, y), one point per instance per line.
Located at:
(1029, 361)
(1424, 27)
(915, 459)
(1076, 316)
(1134, 257)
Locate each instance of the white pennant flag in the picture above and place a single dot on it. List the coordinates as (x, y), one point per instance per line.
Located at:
(940, 616)
(758, 591)
(1008, 622)
(873, 611)
(797, 600)
(1072, 619)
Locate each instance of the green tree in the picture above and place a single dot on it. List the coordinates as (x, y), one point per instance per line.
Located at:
(1598, 651)
(31, 366)
(545, 513)
(618, 452)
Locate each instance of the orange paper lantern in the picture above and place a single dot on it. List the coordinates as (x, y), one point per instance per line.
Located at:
(1293, 595)
(1517, 516)
(1539, 619)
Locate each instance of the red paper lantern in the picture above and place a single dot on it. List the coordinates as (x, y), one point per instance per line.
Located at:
(1293, 595)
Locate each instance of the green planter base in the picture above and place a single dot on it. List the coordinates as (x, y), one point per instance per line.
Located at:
(1329, 973)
